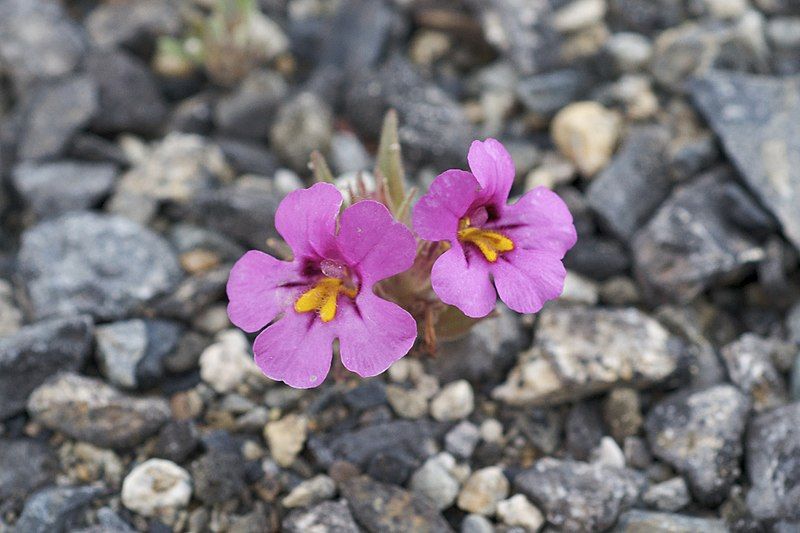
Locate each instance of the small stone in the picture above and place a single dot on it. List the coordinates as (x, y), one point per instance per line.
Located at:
(303, 124)
(462, 439)
(434, 481)
(545, 94)
(51, 189)
(637, 454)
(455, 401)
(219, 476)
(88, 409)
(348, 154)
(37, 352)
(578, 289)
(407, 403)
(249, 111)
(608, 453)
(699, 434)
(518, 511)
(750, 367)
(10, 314)
(177, 440)
(392, 467)
(629, 51)
(579, 496)
(25, 465)
(383, 508)
(622, 413)
(325, 517)
(671, 495)
(55, 509)
(228, 363)
(636, 521)
(310, 492)
(102, 265)
(475, 523)
(133, 24)
(157, 488)
(483, 490)
(286, 438)
(579, 351)
(773, 446)
(586, 132)
(578, 15)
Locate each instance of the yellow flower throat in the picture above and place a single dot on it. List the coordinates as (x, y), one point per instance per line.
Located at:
(490, 243)
(322, 297)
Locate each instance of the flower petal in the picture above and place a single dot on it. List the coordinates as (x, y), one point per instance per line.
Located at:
(373, 334)
(526, 279)
(464, 283)
(256, 291)
(297, 349)
(374, 243)
(540, 220)
(449, 197)
(306, 219)
(494, 169)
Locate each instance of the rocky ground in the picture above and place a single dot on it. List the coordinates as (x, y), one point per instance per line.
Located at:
(661, 393)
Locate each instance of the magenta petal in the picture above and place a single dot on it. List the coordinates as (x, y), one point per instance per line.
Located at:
(540, 220)
(526, 279)
(494, 169)
(373, 334)
(297, 349)
(306, 219)
(463, 284)
(255, 289)
(372, 242)
(450, 196)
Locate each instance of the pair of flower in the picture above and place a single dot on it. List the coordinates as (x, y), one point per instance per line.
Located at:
(326, 291)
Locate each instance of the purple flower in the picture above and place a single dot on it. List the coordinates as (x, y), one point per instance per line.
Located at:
(520, 245)
(326, 292)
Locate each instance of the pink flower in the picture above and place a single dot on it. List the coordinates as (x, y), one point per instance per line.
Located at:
(520, 245)
(326, 292)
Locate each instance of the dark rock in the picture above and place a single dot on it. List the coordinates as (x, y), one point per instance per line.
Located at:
(38, 351)
(303, 124)
(98, 264)
(783, 34)
(433, 127)
(248, 157)
(51, 189)
(750, 367)
(778, 7)
(382, 508)
(325, 517)
(688, 157)
(89, 410)
(690, 244)
(773, 464)
(545, 94)
(129, 97)
(371, 393)
(134, 24)
(56, 112)
(39, 41)
(188, 238)
(249, 111)
(176, 441)
(584, 429)
(758, 121)
(700, 435)
(91, 147)
(543, 428)
(55, 509)
(392, 467)
(578, 496)
(598, 258)
(25, 465)
(742, 211)
(186, 355)
(107, 522)
(640, 521)
(218, 477)
(645, 16)
(192, 295)
(629, 190)
(131, 353)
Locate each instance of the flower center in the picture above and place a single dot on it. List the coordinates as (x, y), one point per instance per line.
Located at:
(322, 297)
(490, 243)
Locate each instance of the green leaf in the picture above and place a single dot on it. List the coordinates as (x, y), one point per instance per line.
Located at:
(389, 163)
(322, 173)
(453, 324)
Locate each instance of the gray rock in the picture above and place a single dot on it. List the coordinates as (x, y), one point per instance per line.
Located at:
(462, 439)
(107, 522)
(250, 110)
(302, 125)
(629, 190)
(39, 41)
(325, 517)
(103, 265)
(545, 94)
(192, 295)
(248, 157)
(433, 127)
(671, 495)
(56, 112)
(130, 100)
(382, 508)
(691, 243)
(750, 367)
(51, 189)
(758, 121)
(773, 449)
(218, 476)
(640, 521)
(598, 258)
(700, 435)
(134, 24)
(89, 410)
(580, 351)
(25, 465)
(131, 353)
(38, 351)
(782, 33)
(55, 509)
(578, 496)
(177, 440)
